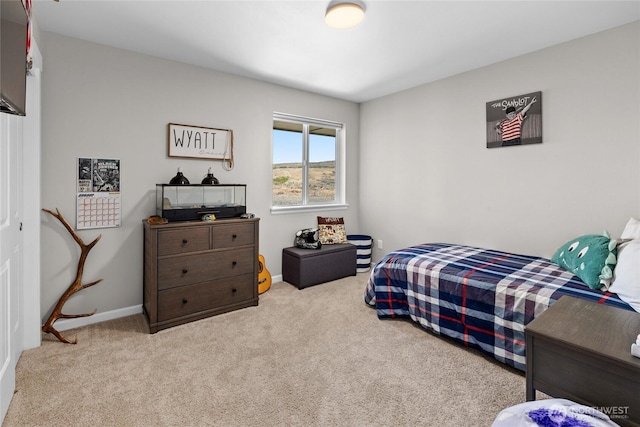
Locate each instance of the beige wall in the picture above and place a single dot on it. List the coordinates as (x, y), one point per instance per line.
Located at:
(104, 102)
(426, 174)
(418, 169)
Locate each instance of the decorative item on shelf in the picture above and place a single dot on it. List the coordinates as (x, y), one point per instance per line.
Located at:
(208, 217)
(179, 179)
(157, 220)
(210, 179)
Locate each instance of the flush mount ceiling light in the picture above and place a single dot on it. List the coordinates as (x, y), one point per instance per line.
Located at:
(343, 14)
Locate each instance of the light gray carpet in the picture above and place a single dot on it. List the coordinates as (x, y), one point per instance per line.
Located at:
(312, 357)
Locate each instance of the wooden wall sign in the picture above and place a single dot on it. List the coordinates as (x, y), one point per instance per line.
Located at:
(199, 142)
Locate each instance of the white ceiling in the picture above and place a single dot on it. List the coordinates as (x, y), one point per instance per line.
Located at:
(400, 44)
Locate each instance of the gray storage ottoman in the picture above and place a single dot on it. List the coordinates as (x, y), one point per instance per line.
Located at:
(308, 267)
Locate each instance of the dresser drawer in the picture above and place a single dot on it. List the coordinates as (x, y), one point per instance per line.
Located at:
(185, 270)
(189, 269)
(186, 300)
(172, 242)
(234, 262)
(233, 235)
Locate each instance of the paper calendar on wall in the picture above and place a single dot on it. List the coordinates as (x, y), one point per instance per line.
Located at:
(98, 193)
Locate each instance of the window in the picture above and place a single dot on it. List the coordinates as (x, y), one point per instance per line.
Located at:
(306, 163)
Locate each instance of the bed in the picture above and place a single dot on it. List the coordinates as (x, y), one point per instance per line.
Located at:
(479, 297)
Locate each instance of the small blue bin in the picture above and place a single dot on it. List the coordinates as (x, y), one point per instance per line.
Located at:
(363, 251)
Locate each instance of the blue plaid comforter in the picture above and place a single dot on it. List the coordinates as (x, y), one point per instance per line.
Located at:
(481, 298)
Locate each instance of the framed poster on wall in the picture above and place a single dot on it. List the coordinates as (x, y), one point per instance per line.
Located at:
(516, 120)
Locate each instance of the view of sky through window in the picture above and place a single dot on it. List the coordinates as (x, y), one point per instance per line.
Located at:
(289, 147)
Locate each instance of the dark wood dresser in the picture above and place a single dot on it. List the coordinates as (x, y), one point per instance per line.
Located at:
(194, 270)
(581, 351)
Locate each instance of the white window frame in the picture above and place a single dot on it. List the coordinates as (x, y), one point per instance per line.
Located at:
(340, 178)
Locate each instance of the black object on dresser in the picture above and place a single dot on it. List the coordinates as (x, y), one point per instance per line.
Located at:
(581, 351)
(198, 269)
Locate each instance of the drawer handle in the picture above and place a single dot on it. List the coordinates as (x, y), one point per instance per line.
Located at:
(185, 271)
(185, 241)
(184, 300)
(234, 263)
(234, 236)
(234, 290)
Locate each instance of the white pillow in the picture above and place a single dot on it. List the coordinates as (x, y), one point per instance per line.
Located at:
(626, 275)
(631, 230)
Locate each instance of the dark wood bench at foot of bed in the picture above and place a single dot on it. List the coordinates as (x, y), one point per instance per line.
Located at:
(307, 267)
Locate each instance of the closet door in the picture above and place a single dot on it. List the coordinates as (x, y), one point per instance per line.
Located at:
(11, 303)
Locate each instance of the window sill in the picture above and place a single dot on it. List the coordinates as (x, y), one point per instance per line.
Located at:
(279, 210)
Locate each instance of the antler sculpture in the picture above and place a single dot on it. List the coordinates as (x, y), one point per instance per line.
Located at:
(74, 287)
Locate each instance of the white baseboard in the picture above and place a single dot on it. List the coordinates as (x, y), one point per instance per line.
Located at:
(66, 324)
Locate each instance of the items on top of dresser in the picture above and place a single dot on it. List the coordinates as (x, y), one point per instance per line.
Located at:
(191, 202)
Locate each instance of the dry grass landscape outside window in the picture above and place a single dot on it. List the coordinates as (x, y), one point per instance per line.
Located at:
(287, 183)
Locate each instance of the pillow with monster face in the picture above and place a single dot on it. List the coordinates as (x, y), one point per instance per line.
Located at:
(591, 257)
